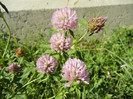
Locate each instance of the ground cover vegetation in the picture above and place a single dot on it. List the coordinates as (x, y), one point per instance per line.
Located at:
(68, 65)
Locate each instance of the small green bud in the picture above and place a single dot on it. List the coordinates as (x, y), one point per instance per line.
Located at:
(74, 41)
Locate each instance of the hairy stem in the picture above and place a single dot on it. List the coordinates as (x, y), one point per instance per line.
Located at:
(85, 35)
(8, 37)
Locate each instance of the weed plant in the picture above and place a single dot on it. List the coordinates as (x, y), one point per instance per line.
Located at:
(108, 61)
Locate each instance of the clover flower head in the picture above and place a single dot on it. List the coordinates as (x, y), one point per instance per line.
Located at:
(13, 67)
(96, 24)
(60, 43)
(46, 64)
(74, 69)
(64, 19)
(19, 52)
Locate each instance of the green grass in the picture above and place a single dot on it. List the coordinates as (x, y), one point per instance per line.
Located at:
(109, 61)
(105, 60)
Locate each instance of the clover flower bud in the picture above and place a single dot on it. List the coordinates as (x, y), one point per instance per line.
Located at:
(13, 67)
(19, 52)
(96, 24)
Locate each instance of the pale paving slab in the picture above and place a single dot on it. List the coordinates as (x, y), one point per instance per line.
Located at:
(17, 5)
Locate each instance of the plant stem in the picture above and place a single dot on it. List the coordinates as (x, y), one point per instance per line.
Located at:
(32, 77)
(12, 79)
(44, 79)
(29, 82)
(8, 37)
(53, 89)
(2, 70)
(84, 35)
